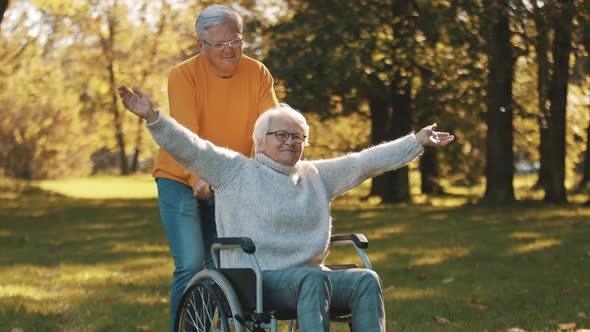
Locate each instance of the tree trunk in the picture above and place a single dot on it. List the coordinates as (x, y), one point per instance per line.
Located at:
(108, 45)
(555, 182)
(583, 186)
(400, 126)
(134, 165)
(404, 27)
(499, 157)
(429, 173)
(426, 107)
(586, 172)
(380, 118)
(541, 44)
(156, 41)
(3, 7)
(118, 123)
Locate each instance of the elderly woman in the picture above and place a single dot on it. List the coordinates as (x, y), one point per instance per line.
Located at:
(283, 204)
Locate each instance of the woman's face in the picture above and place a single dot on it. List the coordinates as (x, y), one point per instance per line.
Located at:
(286, 153)
(225, 61)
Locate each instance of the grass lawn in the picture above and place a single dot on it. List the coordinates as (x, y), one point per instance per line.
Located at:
(91, 255)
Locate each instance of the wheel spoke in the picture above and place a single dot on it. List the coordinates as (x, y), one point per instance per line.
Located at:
(205, 308)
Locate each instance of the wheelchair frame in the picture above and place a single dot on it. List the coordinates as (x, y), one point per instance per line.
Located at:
(211, 303)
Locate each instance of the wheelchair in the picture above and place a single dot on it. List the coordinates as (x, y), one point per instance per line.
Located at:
(231, 300)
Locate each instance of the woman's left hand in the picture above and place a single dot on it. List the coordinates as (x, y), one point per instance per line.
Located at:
(428, 137)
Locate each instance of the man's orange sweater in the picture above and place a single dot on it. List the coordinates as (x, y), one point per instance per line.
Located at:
(221, 110)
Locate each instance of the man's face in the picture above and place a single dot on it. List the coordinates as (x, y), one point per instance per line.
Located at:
(225, 61)
(286, 153)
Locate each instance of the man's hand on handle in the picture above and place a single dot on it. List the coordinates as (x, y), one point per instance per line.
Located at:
(202, 190)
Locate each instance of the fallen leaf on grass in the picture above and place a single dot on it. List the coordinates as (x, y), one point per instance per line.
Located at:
(566, 326)
(582, 315)
(441, 320)
(566, 291)
(107, 299)
(143, 328)
(516, 329)
(423, 276)
(448, 280)
(476, 304)
(389, 288)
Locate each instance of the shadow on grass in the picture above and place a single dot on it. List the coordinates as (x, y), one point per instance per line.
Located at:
(48, 229)
(82, 265)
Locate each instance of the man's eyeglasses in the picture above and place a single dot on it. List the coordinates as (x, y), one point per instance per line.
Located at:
(221, 46)
(283, 136)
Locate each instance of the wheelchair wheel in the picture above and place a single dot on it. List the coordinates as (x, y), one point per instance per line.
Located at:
(209, 304)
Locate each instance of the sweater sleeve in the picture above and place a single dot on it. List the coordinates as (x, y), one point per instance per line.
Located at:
(344, 173)
(214, 164)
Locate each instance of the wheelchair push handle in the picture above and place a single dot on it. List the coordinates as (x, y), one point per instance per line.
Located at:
(245, 243)
(359, 240)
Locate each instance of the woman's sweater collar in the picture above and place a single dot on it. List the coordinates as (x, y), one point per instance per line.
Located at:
(265, 160)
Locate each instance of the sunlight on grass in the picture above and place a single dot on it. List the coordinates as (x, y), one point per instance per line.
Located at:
(420, 256)
(136, 186)
(437, 256)
(141, 249)
(525, 235)
(46, 290)
(534, 246)
(147, 299)
(133, 271)
(370, 214)
(410, 294)
(387, 231)
(27, 291)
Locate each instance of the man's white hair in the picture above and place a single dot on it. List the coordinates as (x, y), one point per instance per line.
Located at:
(283, 110)
(215, 15)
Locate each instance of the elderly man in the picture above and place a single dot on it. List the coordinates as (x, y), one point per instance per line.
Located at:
(217, 94)
(283, 204)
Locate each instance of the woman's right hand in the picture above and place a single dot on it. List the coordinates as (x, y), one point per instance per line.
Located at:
(138, 103)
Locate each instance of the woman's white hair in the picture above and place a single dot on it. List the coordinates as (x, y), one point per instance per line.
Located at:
(283, 110)
(215, 15)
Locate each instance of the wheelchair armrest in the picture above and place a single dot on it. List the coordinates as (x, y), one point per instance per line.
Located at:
(245, 243)
(359, 240)
(247, 246)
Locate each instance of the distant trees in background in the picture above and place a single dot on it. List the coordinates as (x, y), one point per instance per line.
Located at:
(464, 64)
(509, 78)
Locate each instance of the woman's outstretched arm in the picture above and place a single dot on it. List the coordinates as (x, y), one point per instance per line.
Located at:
(214, 164)
(346, 172)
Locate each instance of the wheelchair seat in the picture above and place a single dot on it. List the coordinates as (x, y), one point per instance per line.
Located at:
(230, 299)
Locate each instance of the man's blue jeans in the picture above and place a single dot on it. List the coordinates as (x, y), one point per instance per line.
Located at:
(314, 293)
(190, 228)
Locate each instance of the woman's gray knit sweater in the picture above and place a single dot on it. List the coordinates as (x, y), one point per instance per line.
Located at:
(285, 210)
